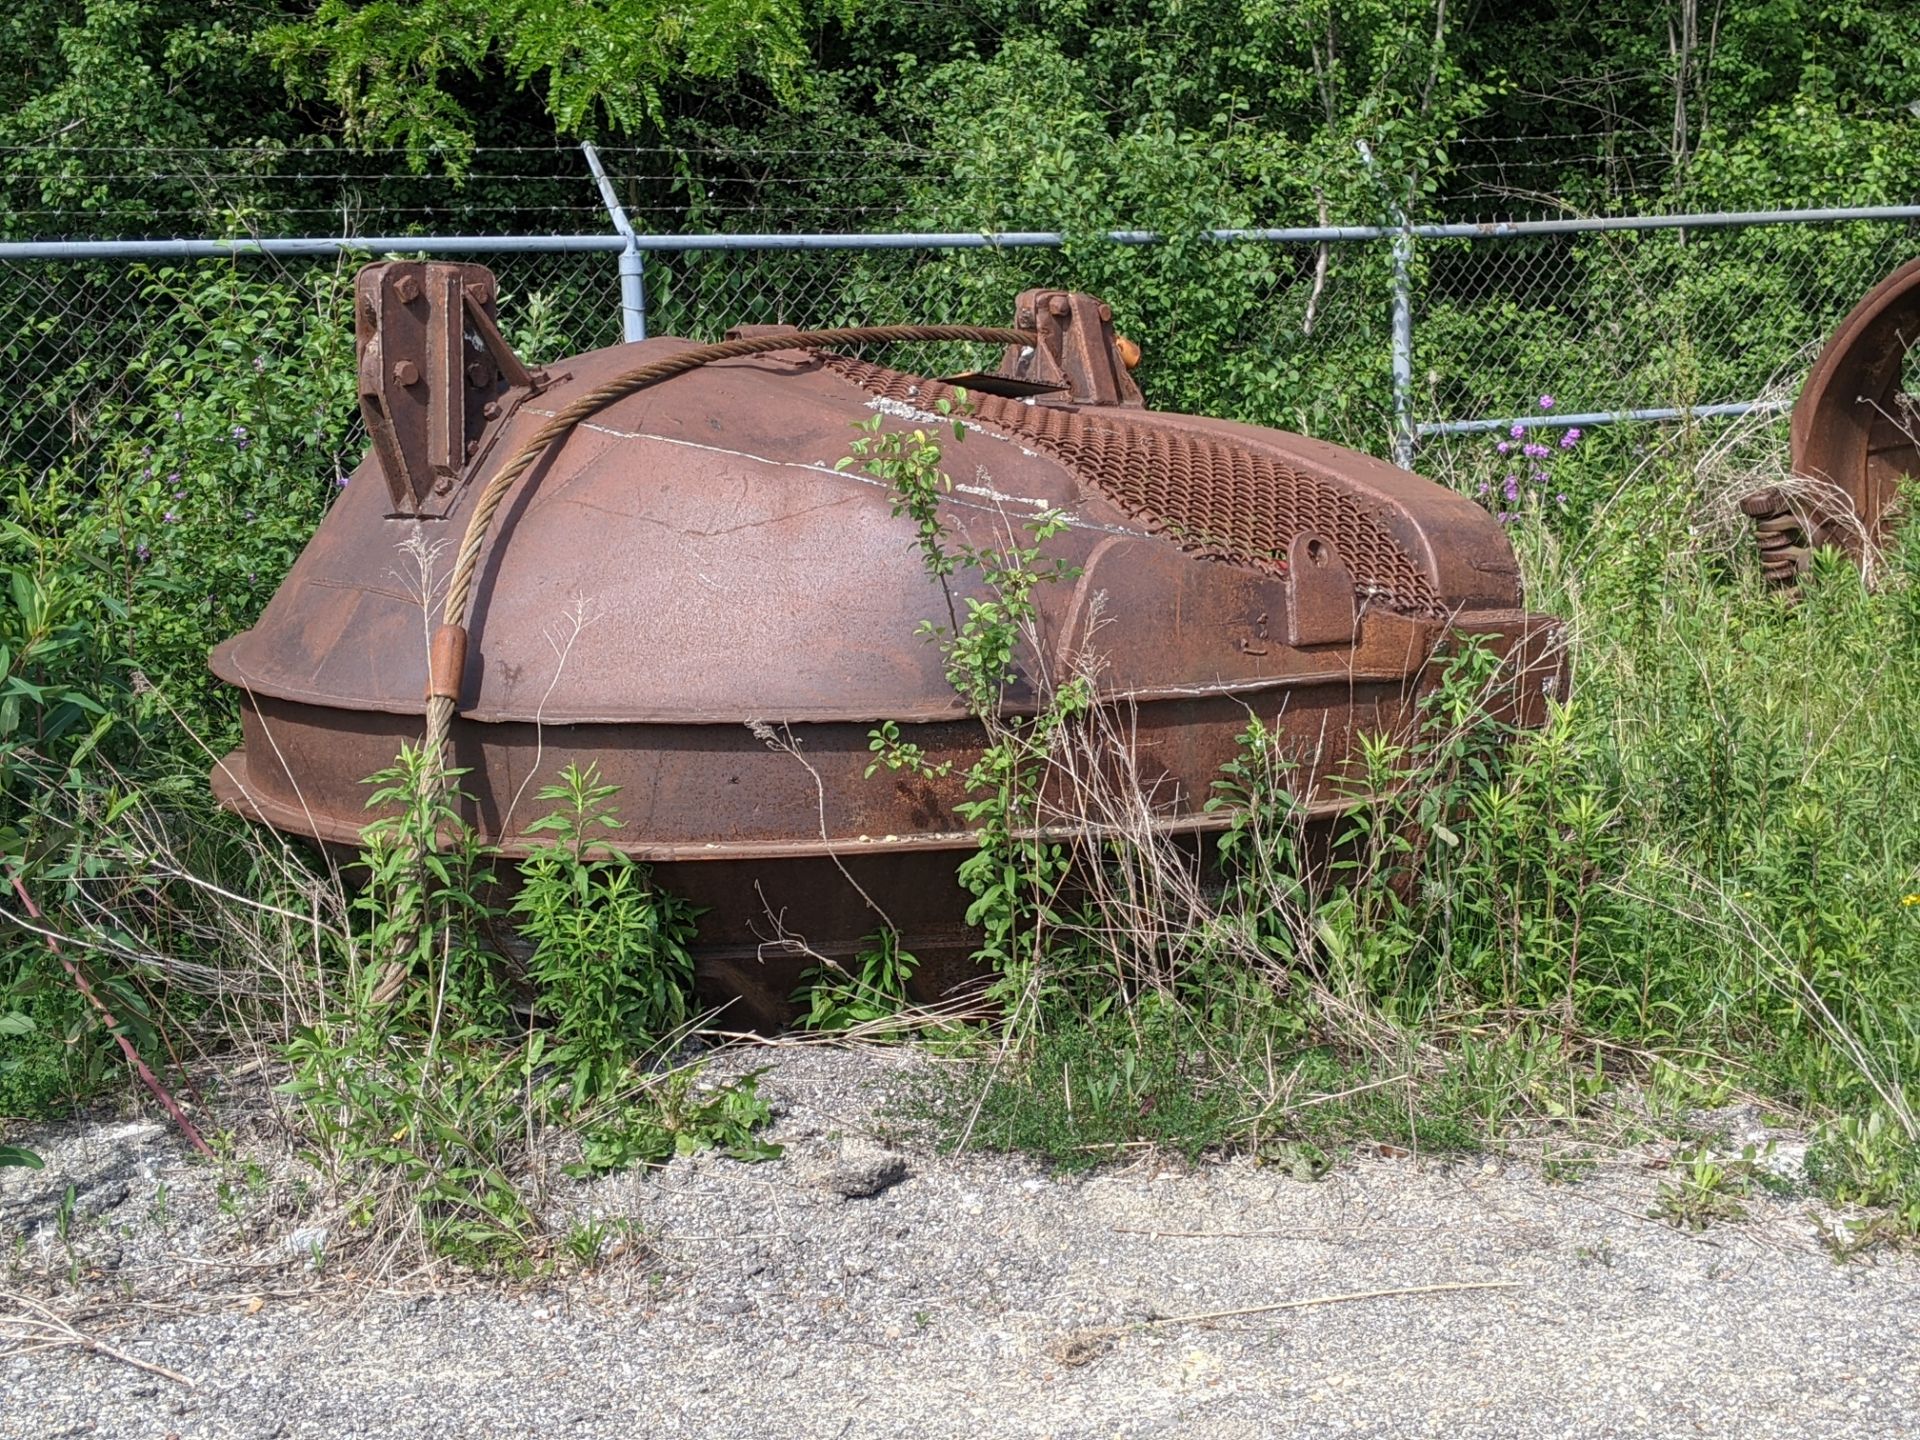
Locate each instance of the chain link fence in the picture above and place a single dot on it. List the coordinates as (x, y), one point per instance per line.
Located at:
(1291, 328)
(1618, 323)
(77, 338)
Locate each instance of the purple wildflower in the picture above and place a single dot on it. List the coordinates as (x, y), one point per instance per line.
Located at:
(170, 518)
(1503, 447)
(141, 550)
(1539, 477)
(341, 482)
(1511, 489)
(1561, 499)
(1546, 402)
(1518, 430)
(1484, 488)
(1568, 441)
(1536, 452)
(260, 364)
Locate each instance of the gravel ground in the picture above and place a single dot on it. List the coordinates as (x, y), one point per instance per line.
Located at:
(849, 1290)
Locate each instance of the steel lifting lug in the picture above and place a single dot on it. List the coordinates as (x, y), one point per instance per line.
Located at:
(434, 373)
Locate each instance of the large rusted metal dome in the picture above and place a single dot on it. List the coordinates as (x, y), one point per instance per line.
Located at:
(689, 593)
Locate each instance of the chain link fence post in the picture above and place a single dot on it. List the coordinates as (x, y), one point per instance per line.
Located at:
(1400, 442)
(633, 293)
(1403, 433)
(633, 260)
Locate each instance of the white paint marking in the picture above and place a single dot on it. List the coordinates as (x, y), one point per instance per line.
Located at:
(815, 467)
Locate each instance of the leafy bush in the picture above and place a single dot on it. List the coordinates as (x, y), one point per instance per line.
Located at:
(874, 988)
(610, 960)
(424, 1092)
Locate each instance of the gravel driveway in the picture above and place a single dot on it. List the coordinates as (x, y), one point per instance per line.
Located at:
(847, 1290)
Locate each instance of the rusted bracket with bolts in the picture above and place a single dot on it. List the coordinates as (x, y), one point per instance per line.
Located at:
(1077, 349)
(436, 375)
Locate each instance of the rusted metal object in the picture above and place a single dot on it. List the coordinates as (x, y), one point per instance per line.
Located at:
(1854, 429)
(1077, 349)
(690, 594)
(434, 370)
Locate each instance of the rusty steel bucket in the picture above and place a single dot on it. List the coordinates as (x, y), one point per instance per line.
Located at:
(1854, 430)
(690, 593)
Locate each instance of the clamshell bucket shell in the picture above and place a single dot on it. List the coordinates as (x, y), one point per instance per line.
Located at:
(693, 593)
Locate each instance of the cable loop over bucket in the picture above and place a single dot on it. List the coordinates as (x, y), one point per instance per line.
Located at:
(448, 657)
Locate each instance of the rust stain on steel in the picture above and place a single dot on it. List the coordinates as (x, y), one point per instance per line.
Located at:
(688, 594)
(1854, 428)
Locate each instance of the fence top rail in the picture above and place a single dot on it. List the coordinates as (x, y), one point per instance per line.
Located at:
(1518, 423)
(321, 246)
(303, 246)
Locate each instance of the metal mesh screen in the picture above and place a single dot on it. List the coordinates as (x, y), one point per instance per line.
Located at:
(66, 334)
(95, 191)
(1263, 333)
(1255, 332)
(1619, 321)
(76, 338)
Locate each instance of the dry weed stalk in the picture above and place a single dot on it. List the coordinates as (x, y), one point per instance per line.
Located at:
(1746, 456)
(39, 1327)
(144, 901)
(1152, 908)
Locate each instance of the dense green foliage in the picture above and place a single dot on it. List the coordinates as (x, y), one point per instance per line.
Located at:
(393, 69)
(1699, 872)
(1053, 114)
(426, 1091)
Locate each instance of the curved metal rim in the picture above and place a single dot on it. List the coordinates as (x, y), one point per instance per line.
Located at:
(1829, 437)
(231, 792)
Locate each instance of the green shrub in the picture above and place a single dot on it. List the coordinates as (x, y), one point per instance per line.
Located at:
(424, 1092)
(610, 962)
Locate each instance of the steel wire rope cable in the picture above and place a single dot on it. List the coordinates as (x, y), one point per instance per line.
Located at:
(447, 660)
